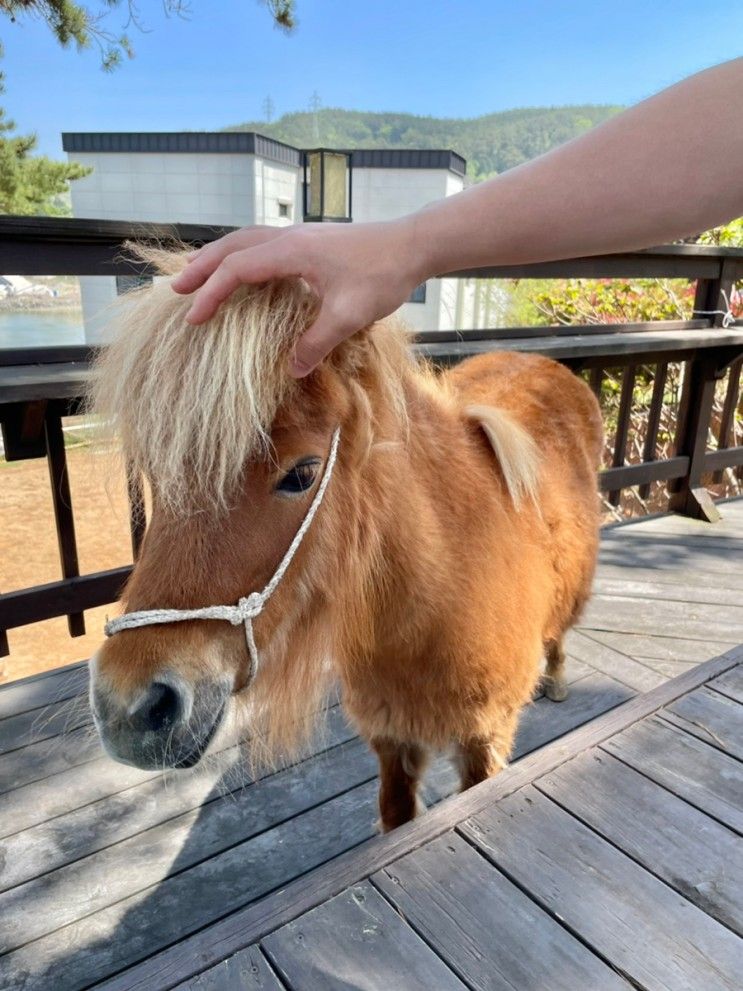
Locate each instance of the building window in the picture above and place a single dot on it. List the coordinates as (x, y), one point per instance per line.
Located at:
(127, 283)
(327, 185)
(285, 210)
(418, 295)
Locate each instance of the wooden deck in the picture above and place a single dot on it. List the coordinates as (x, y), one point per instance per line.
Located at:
(607, 859)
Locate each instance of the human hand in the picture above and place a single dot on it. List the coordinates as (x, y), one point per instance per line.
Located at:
(360, 273)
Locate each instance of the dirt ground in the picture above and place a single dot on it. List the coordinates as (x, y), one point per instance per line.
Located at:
(29, 555)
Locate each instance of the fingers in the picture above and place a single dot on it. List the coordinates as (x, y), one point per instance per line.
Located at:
(203, 262)
(317, 342)
(257, 264)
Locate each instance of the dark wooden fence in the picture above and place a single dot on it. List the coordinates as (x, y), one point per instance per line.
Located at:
(39, 386)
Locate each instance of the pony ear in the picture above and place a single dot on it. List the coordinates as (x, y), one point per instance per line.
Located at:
(514, 447)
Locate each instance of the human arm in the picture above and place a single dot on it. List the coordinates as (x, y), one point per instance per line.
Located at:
(668, 167)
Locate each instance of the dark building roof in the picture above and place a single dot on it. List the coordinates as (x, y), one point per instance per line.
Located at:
(211, 142)
(248, 142)
(408, 158)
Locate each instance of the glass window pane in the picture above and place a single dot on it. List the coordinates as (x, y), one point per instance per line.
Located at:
(313, 199)
(335, 185)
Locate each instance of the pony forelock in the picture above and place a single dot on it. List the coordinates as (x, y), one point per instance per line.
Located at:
(192, 405)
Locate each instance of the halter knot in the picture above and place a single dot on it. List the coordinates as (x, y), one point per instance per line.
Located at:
(249, 607)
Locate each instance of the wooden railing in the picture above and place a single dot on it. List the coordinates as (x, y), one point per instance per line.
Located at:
(40, 386)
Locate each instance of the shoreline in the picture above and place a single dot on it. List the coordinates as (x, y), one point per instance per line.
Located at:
(56, 306)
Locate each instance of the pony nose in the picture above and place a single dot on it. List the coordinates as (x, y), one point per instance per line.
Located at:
(160, 709)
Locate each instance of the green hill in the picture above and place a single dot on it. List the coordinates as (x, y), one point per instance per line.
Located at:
(490, 144)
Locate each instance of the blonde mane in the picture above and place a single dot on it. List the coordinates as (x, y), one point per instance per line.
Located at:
(191, 405)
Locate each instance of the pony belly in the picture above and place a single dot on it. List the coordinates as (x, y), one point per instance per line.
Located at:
(423, 724)
(439, 716)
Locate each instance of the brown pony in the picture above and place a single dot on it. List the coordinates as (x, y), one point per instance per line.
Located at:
(454, 547)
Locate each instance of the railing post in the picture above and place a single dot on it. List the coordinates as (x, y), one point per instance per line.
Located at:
(688, 496)
(727, 419)
(623, 425)
(711, 294)
(62, 502)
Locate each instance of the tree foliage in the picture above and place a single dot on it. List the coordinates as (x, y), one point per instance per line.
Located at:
(31, 184)
(76, 23)
(729, 235)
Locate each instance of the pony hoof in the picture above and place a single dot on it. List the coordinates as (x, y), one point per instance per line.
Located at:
(385, 827)
(556, 689)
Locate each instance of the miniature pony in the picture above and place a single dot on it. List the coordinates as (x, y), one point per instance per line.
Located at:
(454, 545)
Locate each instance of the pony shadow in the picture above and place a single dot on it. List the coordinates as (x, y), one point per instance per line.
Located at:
(242, 839)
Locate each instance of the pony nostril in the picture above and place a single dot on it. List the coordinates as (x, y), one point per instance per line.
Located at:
(159, 710)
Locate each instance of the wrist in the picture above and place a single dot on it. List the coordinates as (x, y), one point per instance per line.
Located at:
(410, 252)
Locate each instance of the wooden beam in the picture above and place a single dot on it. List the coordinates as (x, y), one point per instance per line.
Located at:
(726, 457)
(643, 473)
(72, 246)
(33, 605)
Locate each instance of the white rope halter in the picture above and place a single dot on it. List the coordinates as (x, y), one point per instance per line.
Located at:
(248, 608)
(728, 317)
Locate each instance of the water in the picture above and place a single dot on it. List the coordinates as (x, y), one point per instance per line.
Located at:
(38, 329)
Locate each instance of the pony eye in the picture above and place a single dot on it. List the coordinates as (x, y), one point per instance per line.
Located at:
(299, 478)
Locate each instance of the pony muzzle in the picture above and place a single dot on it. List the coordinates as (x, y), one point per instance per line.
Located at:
(167, 724)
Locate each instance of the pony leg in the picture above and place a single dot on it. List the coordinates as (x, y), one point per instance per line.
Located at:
(554, 682)
(482, 757)
(400, 769)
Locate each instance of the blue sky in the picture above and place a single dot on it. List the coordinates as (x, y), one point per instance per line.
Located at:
(461, 58)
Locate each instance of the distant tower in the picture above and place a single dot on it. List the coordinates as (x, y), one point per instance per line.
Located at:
(268, 109)
(315, 105)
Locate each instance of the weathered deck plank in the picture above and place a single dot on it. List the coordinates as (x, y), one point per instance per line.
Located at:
(136, 927)
(141, 826)
(684, 590)
(613, 663)
(35, 725)
(113, 869)
(693, 853)
(693, 770)
(730, 684)
(712, 717)
(650, 647)
(34, 909)
(604, 896)
(254, 922)
(245, 971)
(43, 689)
(487, 929)
(356, 933)
(43, 760)
(625, 614)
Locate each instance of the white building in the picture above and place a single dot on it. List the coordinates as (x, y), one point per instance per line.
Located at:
(239, 178)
